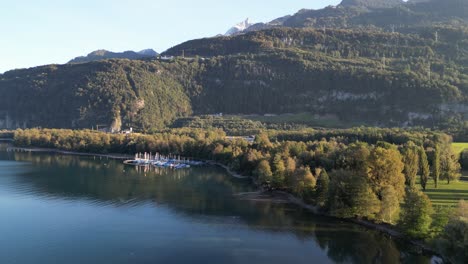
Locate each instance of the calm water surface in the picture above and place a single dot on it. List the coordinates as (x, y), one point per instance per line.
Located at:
(66, 209)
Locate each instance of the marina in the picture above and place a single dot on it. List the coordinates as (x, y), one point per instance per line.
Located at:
(162, 161)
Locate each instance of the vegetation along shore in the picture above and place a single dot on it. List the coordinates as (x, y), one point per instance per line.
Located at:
(372, 176)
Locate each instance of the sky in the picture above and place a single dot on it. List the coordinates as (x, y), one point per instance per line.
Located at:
(39, 32)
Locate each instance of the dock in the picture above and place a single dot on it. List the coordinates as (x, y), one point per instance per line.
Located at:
(158, 160)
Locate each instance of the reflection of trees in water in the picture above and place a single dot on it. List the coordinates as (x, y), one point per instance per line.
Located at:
(3, 146)
(201, 192)
(372, 246)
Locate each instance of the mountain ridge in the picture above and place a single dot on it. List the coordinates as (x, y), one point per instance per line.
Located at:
(384, 15)
(351, 63)
(105, 54)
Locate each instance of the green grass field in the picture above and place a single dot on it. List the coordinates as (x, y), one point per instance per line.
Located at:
(458, 147)
(447, 194)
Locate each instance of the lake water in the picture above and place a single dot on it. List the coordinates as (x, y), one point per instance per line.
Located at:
(67, 209)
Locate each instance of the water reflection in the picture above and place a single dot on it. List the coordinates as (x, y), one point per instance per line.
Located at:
(205, 195)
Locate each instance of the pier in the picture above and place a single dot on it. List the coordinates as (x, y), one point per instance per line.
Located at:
(158, 160)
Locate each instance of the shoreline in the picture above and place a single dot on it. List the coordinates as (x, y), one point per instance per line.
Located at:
(383, 228)
(232, 173)
(71, 153)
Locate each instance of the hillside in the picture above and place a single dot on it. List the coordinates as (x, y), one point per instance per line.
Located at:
(106, 93)
(394, 15)
(104, 54)
(410, 76)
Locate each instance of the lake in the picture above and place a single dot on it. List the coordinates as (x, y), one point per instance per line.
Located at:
(68, 209)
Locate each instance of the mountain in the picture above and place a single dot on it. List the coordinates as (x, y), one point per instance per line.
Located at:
(148, 52)
(104, 54)
(239, 28)
(111, 93)
(389, 15)
(354, 64)
(372, 3)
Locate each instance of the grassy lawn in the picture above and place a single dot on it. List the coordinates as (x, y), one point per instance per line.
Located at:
(458, 147)
(447, 194)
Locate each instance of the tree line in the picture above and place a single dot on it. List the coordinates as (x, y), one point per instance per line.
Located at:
(346, 173)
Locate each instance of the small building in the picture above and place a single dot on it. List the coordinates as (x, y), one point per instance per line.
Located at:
(128, 131)
(167, 58)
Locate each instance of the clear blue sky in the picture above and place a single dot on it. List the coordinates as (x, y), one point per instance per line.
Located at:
(38, 32)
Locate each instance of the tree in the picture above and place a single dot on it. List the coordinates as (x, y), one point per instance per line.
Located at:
(304, 182)
(356, 157)
(424, 170)
(440, 219)
(411, 163)
(385, 169)
(352, 196)
(390, 209)
(322, 188)
(416, 213)
(307, 181)
(263, 172)
(290, 171)
(436, 165)
(453, 242)
(449, 166)
(464, 159)
(263, 142)
(279, 170)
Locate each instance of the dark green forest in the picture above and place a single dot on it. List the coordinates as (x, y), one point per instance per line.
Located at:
(412, 74)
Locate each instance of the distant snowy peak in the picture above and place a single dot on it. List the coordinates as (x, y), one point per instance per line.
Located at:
(242, 26)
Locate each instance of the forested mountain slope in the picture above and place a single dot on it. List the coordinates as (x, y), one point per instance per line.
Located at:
(408, 76)
(107, 93)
